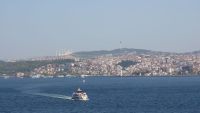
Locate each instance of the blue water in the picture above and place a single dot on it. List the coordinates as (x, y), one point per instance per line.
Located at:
(106, 94)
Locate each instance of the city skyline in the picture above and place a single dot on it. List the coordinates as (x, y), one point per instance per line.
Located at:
(40, 28)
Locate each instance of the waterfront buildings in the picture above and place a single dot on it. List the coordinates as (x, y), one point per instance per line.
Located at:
(144, 65)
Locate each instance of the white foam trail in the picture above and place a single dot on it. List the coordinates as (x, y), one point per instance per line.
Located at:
(53, 95)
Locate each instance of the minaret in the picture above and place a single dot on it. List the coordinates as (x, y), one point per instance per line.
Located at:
(121, 74)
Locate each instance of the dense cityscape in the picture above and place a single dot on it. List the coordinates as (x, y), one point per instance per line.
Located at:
(129, 64)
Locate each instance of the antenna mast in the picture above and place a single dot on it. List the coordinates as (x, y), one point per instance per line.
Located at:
(120, 45)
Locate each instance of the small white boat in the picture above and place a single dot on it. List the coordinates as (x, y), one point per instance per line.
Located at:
(80, 95)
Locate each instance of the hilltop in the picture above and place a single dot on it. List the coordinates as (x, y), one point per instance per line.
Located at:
(116, 52)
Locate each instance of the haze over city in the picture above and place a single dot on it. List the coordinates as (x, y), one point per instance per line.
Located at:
(40, 28)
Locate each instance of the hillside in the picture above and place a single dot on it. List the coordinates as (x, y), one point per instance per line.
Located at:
(115, 52)
(194, 52)
(11, 68)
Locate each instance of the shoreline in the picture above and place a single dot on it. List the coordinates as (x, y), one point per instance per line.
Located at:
(112, 76)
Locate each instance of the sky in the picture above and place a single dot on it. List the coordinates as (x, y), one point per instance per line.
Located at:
(30, 28)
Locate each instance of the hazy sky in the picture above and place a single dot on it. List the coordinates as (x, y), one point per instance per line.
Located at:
(31, 28)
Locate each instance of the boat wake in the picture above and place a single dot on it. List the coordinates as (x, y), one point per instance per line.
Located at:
(52, 95)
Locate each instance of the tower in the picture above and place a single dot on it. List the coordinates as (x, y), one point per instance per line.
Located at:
(120, 45)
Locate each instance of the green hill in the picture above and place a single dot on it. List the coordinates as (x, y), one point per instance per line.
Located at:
(115, 52)
(11, 68)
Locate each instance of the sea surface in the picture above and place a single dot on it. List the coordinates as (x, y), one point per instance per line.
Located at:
(106, 94)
